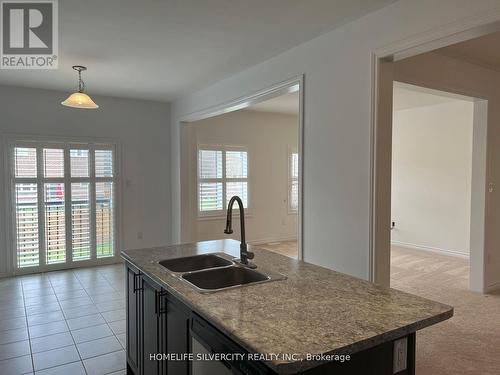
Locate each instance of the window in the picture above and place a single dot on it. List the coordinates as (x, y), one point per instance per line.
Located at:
(222, 173)
(63, 203)
(293, 181)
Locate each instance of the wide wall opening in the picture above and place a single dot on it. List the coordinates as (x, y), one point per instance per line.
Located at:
(252, 153)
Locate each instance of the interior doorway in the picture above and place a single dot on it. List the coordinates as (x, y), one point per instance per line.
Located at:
(431, 197)
(252, 149)
(466, 68)
(461, 69)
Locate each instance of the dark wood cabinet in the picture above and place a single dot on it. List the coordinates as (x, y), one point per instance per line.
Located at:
(152, 324)
(177, 335)
(133, 317)
(157, 324)
(160, 324)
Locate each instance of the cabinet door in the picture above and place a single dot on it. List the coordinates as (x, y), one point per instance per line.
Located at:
(151, 330)
(177, 327)
(133, 294)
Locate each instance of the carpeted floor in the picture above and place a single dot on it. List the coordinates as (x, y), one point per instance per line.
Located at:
(468, 343)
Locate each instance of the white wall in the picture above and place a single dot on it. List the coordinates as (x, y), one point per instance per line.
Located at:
(142, 128)
(268, 137)
(337, 123)
(431, 176)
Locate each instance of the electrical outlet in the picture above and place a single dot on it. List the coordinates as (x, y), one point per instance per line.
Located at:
(139, 235)
(400, 355)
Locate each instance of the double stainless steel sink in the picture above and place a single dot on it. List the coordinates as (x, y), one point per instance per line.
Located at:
(214, 272)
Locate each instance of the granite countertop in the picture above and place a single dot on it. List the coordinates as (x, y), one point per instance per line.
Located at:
(315, 310)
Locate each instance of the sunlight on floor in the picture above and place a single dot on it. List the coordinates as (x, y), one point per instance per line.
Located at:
(287, 248)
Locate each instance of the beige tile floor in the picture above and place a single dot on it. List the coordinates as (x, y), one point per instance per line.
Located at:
(469, 342)
(64, 322)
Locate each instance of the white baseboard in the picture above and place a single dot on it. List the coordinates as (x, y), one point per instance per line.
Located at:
(431, 249)
(273, 239)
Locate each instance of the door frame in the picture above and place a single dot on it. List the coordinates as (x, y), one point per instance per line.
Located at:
(467, 28)
(290, 85)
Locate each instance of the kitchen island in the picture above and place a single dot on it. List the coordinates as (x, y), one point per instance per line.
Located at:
(314, 321)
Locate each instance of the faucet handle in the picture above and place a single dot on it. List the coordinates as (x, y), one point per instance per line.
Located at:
(249, 254)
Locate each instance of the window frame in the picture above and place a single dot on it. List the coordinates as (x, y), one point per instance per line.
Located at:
(65, 143)
(213, 214)
(292, 150)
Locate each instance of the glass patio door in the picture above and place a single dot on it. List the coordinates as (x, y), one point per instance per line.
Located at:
(63, 204)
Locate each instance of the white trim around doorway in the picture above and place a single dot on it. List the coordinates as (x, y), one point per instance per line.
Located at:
(466, 28)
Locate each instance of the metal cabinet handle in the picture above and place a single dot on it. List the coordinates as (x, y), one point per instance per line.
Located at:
(156, 302)
(136, 277)
(158, 296)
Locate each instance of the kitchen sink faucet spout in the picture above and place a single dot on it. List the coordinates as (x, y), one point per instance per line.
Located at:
(244, 253)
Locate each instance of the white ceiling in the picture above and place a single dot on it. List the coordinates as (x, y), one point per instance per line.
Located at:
(286, 104)
(160, 49)
(407, 96)
(483, 51)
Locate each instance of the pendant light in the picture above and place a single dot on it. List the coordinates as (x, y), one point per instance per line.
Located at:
(80, 99)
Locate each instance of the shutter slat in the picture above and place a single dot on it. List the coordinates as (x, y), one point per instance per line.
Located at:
(103, 163)
(55, 223)
(26, 201)
(210, 196)
(53, 162)
(104, 212)
(236, 164)
(79, 161)
(210, 164)
(80, 220)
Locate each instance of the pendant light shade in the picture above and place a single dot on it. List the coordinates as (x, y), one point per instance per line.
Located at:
(80, 99)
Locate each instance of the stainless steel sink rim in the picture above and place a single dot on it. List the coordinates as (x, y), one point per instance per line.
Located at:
(203, 290)
(270, 275)
(223, 256)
